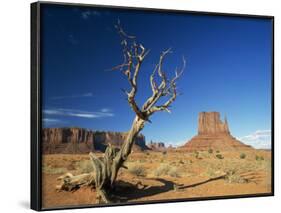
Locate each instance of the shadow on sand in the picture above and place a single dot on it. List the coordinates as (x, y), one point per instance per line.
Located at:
(125, 191)
(201, 183)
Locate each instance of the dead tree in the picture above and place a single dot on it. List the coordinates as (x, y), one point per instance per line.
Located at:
(106, 168)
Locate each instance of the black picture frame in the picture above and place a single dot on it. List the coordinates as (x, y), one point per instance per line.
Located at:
(36, 103)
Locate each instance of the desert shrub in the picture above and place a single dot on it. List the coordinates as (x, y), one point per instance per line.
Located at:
(138, 170)
(166, 169)
(242, 156)
(210, 151)
(218, 151)
(142, 160)
(164, 152)
(163, 169)
(219, 156)
(84, 166)
(259, 158)
(232, 176)
(181, 162)
(54, 170)
(70, 167)
(196, 154)
(210, 172)
(147, 153)
(173, 172)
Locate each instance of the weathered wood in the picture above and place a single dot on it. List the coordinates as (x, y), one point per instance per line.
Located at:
(106, 168)
(69, 182)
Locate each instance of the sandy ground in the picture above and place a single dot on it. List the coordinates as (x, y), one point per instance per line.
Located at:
(164, 176)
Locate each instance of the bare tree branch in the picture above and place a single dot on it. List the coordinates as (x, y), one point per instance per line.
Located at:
(134, 54)
(170, 90)
(106, 168)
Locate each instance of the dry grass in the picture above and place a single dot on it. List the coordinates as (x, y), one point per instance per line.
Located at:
(250, 175)
(166, 169)
(54, 170)
(84, 166)
(137, 170)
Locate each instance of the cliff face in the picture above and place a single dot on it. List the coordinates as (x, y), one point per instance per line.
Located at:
(156, 146)
(213, 134)
(210, 123)
(78, 140)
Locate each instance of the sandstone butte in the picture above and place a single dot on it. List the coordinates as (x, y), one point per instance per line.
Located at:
(213, 134)
(79, 140)
(156, 146)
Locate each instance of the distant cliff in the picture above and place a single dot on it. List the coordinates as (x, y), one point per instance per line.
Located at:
(156, 146)
(79, 140)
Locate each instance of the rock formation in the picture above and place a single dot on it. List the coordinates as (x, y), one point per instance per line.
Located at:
(213, 134)
(156, 146)
(79, 140)
(210, 123)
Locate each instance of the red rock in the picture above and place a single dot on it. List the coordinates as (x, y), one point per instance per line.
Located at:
(213, 134)
(156, 146)
(79, 140)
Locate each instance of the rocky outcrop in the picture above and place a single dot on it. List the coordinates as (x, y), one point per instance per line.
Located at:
(156, 146)
(79, 140)
(213, 134)
(209, 123)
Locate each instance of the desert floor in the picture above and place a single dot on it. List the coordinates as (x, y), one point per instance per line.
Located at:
(153, 176)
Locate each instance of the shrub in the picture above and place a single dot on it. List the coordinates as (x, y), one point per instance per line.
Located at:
(163, 169)
(166, 169)
(232, 176)
(218, 151)
(84, 166)
(54, 170)
(259, 158)
(196, 154)
(142, 160)
(70, 167)
(181, 162)
(173, 172)
(138, 171)
(210, 151)
(164, 152)
(242, 155)
(219, 156)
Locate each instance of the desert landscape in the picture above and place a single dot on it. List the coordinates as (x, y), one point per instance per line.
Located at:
(128, 123)
(212, 163)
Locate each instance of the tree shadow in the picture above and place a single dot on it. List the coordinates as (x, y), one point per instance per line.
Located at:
(201, 183)
(125, 191)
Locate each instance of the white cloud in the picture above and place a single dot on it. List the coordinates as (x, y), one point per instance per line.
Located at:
(260, 139)
(175, 144)
(51, 121)
(84, 95)
(88, 13)
(105, 110)
(77, 113)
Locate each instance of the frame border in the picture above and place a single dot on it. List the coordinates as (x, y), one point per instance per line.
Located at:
(36, 112)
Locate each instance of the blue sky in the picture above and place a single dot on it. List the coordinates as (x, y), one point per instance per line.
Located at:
(228, 70)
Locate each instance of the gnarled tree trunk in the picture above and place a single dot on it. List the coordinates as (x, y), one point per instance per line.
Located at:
(106, 168)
